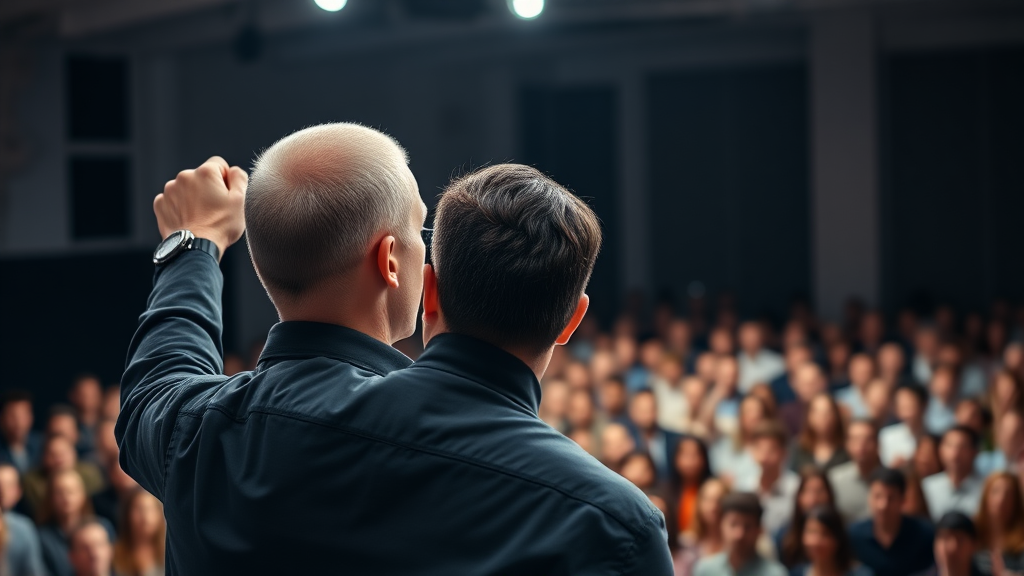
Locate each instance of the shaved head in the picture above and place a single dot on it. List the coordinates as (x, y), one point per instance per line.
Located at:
(317, 201)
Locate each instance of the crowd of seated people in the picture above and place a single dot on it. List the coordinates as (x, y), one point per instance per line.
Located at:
(885, 446)
(68, 508)
(873, 447)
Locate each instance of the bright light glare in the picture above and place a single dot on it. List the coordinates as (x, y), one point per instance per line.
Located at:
(527, 9)
(331, 5)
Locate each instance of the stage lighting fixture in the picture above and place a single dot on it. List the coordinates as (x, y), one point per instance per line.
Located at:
(526, 9)
(331, 5)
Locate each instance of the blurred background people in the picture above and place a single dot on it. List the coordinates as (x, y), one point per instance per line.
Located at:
(139, 549)
(891, 543)
(20, 446)
(65, 508)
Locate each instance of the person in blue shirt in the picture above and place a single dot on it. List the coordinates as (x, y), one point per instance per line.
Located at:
(891, 543)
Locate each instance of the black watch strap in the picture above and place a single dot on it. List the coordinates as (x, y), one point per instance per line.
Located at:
(207, 246)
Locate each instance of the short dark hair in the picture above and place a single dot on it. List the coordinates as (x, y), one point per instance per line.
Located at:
(614, 380)
(864, 421)
(829, 517)
(771, 429)
(85, 377)
(63, 410)
(744, 503)
(919, 392)
(972, 435)
(14, 395)
(513, 252)
(957, 522)
(889, 477)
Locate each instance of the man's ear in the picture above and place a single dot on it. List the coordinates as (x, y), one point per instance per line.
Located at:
(429, 292)
(432, 323)
(574, 322)
(387, 262)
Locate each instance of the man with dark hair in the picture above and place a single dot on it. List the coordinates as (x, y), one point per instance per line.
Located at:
(649, 436)
(890, 543)
(776, 485)
(512, 254)
(898, 442)
(63, 421)
(958, 487)
(850, 481)
(90, 551)
(956, 541)
(86, 395)
(19, 445)
(741, 528)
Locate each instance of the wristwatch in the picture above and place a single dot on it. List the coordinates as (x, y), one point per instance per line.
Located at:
(181, 241)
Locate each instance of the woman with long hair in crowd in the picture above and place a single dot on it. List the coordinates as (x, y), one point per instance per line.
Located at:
(692, 468)
(638, 467)
(729, 455)
(826, 545)
(814, 491)
(1000, 525)
(704, 538)
(65, 507)
(822, 442)
(139, 550)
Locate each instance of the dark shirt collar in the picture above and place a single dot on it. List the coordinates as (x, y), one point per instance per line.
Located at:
(485, 364)
(296, 340)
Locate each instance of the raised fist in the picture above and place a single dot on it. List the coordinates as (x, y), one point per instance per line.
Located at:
(209, 201)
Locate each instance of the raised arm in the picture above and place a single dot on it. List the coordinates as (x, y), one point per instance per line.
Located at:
(176, 352)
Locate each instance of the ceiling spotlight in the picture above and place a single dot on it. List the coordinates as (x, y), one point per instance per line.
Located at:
(331, 5)
(526, 9)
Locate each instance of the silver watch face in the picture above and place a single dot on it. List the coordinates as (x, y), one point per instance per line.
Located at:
(171, 245)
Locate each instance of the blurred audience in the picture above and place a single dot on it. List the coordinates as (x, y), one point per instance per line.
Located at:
(836, 449)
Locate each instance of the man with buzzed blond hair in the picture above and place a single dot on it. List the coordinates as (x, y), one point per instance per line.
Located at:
(253, 469)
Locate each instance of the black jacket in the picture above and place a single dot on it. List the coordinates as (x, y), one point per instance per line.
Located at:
(317, 464)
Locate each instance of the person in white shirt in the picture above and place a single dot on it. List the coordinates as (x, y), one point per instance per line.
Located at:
(959, 487)
(673, 409)
(757, 364)
(851, 481)
(776, 485)
(899, 441)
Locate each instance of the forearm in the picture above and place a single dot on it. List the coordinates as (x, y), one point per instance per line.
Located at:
(180, 331)
(178, 341)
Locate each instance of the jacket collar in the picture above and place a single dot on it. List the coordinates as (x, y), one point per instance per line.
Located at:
(485, 364)
(296, 340)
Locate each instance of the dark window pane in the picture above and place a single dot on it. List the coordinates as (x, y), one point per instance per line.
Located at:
(97, 92)
(99, 197)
